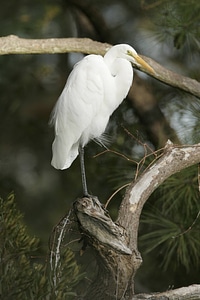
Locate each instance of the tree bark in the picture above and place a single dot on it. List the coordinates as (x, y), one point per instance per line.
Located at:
(117, 263)
(191, 292)
(14, 45)
(115, 244)
(173, 159)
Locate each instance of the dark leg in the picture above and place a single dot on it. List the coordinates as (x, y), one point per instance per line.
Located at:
(83, 176)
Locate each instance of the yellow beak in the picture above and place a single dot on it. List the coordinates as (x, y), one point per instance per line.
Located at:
(142, 63)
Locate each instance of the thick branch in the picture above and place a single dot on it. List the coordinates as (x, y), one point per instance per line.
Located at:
(191, 292)
(15, 45)
(115, 244)
(117, 263)
(173, 160)
(186, 84)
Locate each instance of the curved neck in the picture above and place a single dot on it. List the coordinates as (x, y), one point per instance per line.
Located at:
(122, 72)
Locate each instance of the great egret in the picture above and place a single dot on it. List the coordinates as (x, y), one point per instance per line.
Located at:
(94, 89)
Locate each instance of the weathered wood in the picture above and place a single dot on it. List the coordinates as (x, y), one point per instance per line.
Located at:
(191, 292)
(117, 263)
(15, 45)
(115, 244)
(173, 159)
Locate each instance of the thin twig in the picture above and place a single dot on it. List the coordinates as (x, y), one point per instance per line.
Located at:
(55, 255)
(189, 228)
(119, 189)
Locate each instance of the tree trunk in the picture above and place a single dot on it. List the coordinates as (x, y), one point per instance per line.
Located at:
(115, 244)
(117, 263)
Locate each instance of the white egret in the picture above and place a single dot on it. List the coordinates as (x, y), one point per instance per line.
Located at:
(94, 89)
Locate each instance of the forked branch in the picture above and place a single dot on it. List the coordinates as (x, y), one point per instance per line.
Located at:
(115, 244)
(174, 159)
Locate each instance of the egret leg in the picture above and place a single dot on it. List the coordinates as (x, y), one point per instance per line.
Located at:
(83, 175)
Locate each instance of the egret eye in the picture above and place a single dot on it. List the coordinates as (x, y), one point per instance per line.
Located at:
(129, 53)
(88, 100)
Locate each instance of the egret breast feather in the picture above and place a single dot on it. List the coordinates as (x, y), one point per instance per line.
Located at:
(95, 88)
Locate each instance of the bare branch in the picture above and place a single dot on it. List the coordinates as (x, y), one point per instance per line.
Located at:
(174, 159)
(191, 292)
(186, 84)
(96, 222)
(15, 45)
(115, 244)
(117, 264)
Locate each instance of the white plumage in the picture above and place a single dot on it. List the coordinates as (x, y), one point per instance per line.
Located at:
(94, 89)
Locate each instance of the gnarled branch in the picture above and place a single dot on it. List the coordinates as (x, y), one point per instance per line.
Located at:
(174, 159)
(117, 255)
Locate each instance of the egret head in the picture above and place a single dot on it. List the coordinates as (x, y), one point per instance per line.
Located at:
(138, 61)
(127, 52)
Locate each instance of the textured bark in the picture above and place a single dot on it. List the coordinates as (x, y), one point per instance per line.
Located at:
(191, 292)
(15, 45)
(173, 160)
(115, 244)
(117, 263)
(186, 84)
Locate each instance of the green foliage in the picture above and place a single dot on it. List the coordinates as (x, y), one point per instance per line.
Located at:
(179, 21)
(173, 221)
(22, 275)
(30, 85)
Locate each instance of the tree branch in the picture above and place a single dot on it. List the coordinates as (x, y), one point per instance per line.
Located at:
(191, 292)
(186, 84)
(117, 264)
(115, 244)
(15, 45)
(174, 159)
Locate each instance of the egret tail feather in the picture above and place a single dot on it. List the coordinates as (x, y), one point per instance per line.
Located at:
(63, 155)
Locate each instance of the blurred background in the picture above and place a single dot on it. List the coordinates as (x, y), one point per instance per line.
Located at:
(168, 32)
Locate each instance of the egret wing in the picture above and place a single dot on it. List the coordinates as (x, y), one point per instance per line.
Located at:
(76, 109)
